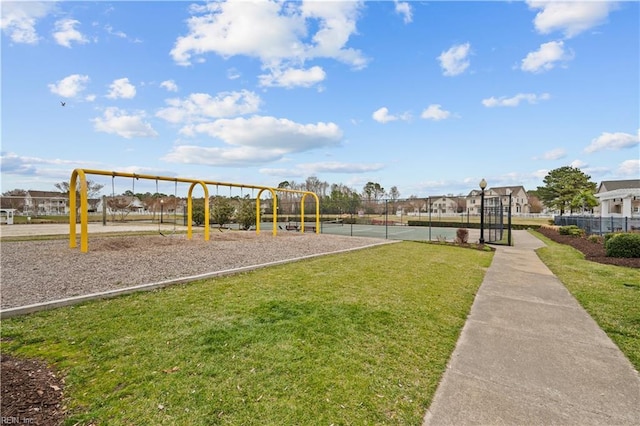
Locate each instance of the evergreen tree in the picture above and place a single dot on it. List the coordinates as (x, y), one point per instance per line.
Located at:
(561, 187)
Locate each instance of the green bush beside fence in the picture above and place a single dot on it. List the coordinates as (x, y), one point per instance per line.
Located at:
(572, 230)
(622, 245)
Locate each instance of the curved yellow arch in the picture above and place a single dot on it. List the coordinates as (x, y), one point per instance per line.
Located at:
(317, 210)
(190, 210)
(84, 219)
(274, 197)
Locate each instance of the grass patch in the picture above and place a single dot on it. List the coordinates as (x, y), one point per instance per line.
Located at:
(355, 338)
(610, 294)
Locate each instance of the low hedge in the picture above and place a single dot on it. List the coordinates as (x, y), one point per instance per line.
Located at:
(622, 245)
(572, 230)
(436, 224)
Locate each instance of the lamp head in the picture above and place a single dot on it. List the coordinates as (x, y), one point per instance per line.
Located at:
(483, 184)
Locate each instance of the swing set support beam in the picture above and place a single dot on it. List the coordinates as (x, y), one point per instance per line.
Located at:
(79, 176)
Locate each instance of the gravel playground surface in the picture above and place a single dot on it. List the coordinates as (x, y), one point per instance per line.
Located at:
(48, 270)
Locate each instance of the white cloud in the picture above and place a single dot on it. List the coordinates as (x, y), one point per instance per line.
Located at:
(339, 167)
(455, 60)
(216, 156)
(306, 169)
(233, 74)
(117, 121)
(629, 168)
(113, 32)
(435, 112)
(19, 19)
(170, 85)
(202, 106)
(285, 173)
(66, 33)
(336, 22)
(121, 88)
(403, 8)
(578, 164)
(70, 86)
(382, 116)
(255, 140)
(570, 17)
(554, 154)
(514, 101)
(280, 34)
(272, 133)
(613, 141)
(546, 57)
(12, 163)
(293, 77)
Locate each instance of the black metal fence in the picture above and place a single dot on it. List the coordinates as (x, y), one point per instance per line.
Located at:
(429, 218)
(494, 226)
(600, 225)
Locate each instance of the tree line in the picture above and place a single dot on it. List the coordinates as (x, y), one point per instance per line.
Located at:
(565, 189)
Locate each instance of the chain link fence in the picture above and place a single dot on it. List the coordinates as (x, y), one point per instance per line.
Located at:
(600, 225)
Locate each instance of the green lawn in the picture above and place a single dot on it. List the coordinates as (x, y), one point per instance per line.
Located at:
(357, 338)
(610, 294)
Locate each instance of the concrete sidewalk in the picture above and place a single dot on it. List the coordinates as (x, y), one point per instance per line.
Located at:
(529, 354)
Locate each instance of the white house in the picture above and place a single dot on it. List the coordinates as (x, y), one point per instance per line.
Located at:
(519, 199)
(447, 205)
(619, 198)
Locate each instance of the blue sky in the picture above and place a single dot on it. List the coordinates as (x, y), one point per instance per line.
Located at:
(429, 97)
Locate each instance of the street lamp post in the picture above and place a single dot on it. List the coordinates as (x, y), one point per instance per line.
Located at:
(161, 210)
(509, 230)
(483, 185)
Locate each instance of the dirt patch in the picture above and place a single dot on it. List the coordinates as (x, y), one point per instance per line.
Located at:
(31, 392)
(593, 251)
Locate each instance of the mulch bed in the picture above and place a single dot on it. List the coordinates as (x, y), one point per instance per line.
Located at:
(32, 393)
(594, 252)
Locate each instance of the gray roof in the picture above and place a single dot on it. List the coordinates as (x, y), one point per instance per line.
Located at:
(502, 190)
(612, 185)
(619, 193)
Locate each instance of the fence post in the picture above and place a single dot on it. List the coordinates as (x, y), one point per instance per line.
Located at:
(104, 210)
(386, 219)
(509, 230)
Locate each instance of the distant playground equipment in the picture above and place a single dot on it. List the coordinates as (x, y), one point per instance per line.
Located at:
(84, 219)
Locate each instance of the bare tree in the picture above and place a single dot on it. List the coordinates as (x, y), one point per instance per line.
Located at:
(93, 188)
(119, 207)
(14, 199)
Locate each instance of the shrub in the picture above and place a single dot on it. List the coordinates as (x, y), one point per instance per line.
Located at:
(607, 237)
(221, 211)
(462, 236)
(623, 245)
(198, 212)
(572, 230)
(596, 239)
(246, 216)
